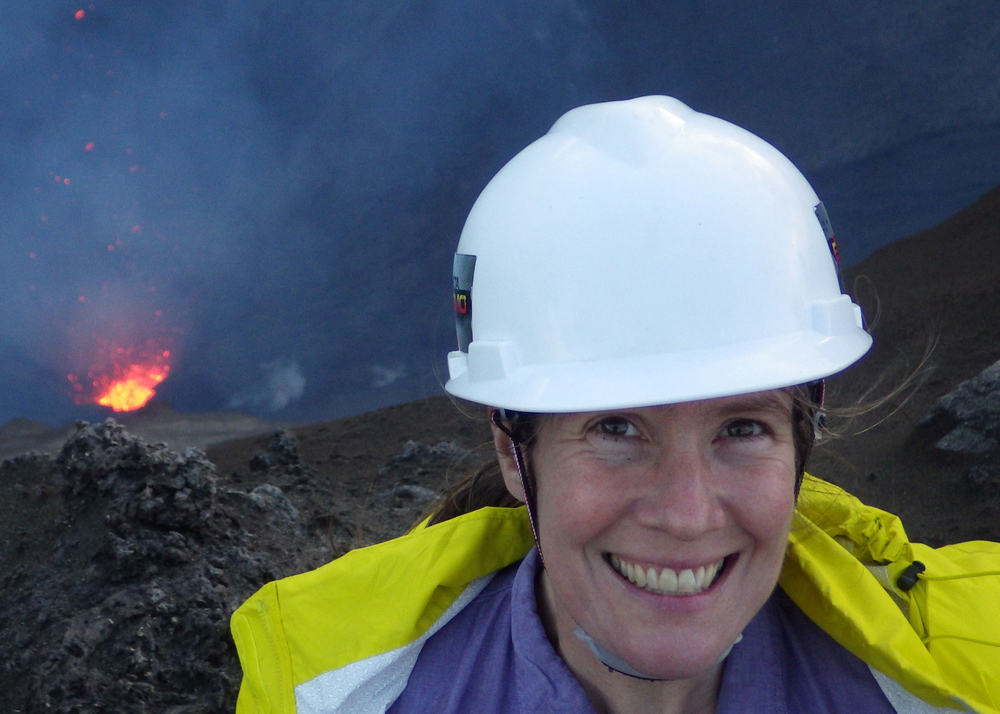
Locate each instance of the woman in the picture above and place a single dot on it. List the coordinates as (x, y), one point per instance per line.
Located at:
(647, 300)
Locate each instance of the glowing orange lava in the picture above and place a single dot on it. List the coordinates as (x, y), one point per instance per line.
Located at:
(127, 378)
(134, 389)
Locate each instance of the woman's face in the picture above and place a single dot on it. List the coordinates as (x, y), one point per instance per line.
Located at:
(697, 495)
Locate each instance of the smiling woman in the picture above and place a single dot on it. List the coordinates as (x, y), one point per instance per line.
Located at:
(647, 303)
(668, 495)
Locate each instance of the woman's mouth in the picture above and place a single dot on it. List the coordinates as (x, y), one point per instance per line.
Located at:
(664, 581)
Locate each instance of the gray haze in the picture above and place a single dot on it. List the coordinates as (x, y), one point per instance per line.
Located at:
(285, 182)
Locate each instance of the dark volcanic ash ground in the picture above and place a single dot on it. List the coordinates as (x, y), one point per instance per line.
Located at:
(122, 592)
(125, 560)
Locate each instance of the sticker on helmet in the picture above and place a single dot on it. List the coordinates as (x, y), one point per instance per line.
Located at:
(462, 274)
(824, 220)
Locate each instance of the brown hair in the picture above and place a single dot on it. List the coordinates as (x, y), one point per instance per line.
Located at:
(486, 487)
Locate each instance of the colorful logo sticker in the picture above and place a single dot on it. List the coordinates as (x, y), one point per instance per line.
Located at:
(824, 220)
(462, 274)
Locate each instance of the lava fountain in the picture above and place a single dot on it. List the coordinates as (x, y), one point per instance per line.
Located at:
(126, 378)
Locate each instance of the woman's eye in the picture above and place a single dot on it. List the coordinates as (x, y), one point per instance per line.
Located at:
(616, 426)
(744, 428)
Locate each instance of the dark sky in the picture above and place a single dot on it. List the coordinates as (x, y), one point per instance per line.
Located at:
(273, 189)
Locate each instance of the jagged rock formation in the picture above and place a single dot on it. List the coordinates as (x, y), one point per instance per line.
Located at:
(966, 422)
(125, 602)
(414, 461)
(123, 561)
(281, 450)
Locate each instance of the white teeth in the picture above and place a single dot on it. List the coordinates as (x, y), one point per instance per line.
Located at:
(710, 572)
(640, 577)
(667, 581)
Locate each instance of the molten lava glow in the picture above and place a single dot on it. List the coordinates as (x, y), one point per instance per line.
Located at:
(133, 389)
(126, 379)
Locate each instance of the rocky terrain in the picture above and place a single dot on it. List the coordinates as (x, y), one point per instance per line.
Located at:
(932, 301)
(122, 560)
(156, 422)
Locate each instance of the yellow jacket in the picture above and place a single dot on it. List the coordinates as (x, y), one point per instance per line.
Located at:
(344, 638)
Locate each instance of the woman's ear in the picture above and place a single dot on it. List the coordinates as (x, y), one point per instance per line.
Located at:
(508, 463)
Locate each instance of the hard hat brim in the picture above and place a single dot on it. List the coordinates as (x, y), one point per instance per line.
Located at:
(649, 380)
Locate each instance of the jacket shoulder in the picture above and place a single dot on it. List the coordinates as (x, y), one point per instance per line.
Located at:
(938, 639)
(369, 602)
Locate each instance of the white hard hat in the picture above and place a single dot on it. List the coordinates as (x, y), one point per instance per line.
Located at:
(641, 253)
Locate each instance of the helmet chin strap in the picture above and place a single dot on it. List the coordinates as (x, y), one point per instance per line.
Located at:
(621, 666)
(817, 391)
(497, 416)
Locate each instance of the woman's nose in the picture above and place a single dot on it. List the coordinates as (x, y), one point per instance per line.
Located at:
(679, 496)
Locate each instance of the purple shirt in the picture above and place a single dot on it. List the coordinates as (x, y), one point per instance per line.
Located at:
(494, 658)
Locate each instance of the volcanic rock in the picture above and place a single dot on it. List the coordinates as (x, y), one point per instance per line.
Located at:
(968, 416)
(416, 457)
(123, 560)
(966, 424)
(413, 461)
(123, 603)
(985, 478)
(282, 451)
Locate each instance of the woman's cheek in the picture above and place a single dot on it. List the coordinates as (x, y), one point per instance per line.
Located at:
(769, 511)
(592, 501)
